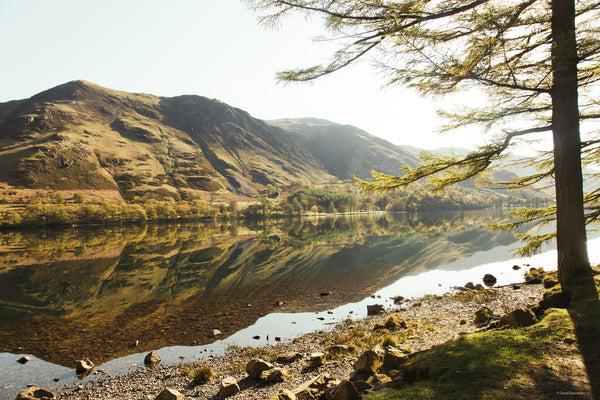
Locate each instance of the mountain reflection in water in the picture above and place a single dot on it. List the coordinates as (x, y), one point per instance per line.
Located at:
(92, 293)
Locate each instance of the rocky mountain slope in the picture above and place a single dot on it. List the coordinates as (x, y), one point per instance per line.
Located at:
(83, 136)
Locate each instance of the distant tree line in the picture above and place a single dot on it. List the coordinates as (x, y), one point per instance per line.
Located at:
(54, 209)
(321, 200)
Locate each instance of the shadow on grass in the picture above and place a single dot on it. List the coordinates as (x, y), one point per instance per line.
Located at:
(585, 314)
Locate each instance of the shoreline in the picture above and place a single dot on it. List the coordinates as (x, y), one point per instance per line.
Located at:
(431, 321)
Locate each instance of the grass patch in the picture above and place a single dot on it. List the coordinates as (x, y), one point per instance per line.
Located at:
(476, 296)
(508, 364)
(251, 352)
(200, 373)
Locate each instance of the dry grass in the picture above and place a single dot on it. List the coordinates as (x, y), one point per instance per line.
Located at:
(200, 373)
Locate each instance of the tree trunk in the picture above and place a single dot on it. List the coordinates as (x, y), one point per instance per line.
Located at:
(571, 242)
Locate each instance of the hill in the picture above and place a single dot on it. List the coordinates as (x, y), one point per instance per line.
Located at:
(346, 150)
(83, 136)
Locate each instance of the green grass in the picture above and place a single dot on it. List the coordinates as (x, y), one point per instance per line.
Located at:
(476, 296)
(530, 363)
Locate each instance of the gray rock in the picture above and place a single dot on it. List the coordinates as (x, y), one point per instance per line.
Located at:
(378, 380)
(362, 386)
(24, 359)
(470, 285)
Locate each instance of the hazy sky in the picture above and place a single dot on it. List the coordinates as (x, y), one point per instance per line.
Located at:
(204, 47)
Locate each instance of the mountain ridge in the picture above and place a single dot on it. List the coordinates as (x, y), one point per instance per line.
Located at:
(80, 135)
(346, 150)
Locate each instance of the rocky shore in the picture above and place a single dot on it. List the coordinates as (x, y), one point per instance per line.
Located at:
(324, 358)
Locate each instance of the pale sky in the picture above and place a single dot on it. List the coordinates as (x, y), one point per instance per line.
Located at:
(205, 47)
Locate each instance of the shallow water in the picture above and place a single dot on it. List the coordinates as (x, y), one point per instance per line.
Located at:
(92, 293)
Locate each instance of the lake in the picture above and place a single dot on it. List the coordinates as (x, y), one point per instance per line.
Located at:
(112, 294)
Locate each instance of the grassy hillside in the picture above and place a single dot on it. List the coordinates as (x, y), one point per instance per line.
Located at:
(82, 136)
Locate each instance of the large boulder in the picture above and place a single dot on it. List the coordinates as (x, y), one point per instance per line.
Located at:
(369, 361)
(35, 393)
(228, 387)
(256, 366)
(518, 318)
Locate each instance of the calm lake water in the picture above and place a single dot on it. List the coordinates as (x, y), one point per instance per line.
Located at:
(95, 292)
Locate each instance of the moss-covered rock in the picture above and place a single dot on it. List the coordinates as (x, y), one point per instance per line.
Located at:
(550, 280)
(534, 276)
(369, 361)
(483, 316)
(394, 322)
(554, 298)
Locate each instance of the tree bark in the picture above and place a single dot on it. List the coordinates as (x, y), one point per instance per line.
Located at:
(571, 242)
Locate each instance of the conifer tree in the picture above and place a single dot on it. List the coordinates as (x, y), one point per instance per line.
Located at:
(537, 60)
